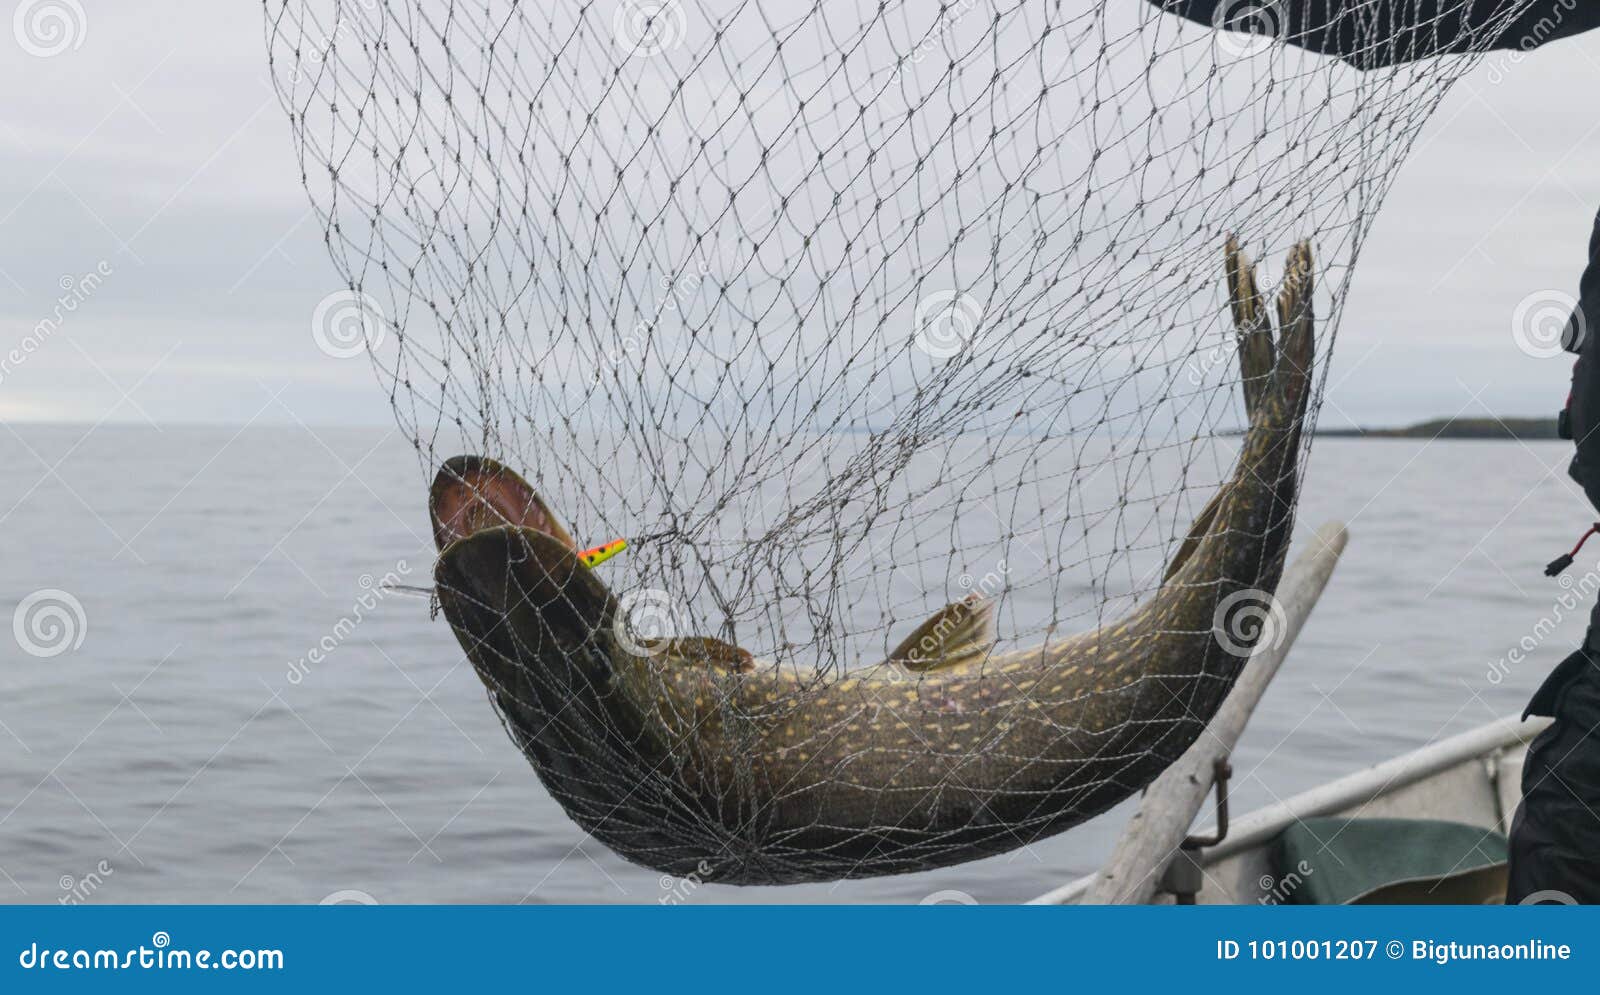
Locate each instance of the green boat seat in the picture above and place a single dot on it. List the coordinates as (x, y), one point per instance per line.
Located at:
(1342, 861)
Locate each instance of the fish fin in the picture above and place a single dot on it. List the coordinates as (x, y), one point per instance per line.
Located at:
(471, 493)
(1197, 533)
(1296, 318)
(702, 651)
(1252, 325)
(960, 631)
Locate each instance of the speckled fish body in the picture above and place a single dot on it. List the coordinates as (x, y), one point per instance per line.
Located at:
(691, 757)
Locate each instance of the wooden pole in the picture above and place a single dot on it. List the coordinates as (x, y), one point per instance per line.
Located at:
(1169, 806)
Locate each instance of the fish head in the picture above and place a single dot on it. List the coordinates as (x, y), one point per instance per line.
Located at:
(537, 623)
(472, 493)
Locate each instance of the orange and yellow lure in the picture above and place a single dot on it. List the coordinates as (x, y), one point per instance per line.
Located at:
(603, 552)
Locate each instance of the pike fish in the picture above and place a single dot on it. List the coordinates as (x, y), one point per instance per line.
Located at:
(692, 757)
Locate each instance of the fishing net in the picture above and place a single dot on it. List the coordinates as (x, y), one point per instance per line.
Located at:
(841, 311)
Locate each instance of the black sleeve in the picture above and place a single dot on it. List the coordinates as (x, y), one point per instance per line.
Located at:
(1587, 316)
(1584, 408)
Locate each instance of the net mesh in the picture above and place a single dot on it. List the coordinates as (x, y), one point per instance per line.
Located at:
(839, 311)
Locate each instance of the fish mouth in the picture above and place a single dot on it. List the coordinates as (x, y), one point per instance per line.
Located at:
(509, 573)
(474, 493)
(510, 581)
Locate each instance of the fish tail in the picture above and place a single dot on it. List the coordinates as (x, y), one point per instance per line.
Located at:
(1296, 317)
(1252, 326)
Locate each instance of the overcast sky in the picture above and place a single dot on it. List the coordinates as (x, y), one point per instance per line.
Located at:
(153, 150)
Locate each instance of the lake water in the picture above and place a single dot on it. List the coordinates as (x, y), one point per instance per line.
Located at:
(186, 750)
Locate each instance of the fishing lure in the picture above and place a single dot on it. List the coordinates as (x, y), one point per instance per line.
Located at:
(603, 552)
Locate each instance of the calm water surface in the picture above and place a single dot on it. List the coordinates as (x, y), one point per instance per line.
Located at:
(187, 750)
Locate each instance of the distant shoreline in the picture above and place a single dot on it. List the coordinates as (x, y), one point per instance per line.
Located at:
(1526, 429)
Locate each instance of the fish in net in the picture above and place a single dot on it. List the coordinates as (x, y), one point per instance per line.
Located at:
(913, 349)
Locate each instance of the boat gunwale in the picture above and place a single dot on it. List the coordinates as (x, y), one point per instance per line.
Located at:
(1356, 788)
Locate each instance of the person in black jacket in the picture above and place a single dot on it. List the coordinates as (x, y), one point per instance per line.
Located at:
(1555, 835)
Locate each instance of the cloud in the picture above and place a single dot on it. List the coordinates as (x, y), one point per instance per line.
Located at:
(161, 148)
